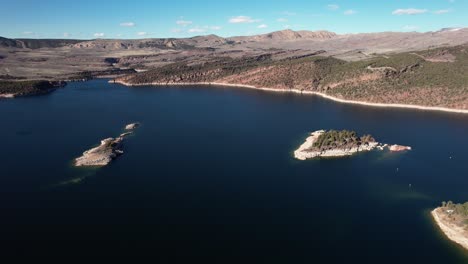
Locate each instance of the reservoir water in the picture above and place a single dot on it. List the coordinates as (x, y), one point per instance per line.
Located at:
(210, 176)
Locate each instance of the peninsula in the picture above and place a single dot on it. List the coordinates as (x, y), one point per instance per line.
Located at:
(108, 150)
(452, 219)
(16, 88)
(343, 143)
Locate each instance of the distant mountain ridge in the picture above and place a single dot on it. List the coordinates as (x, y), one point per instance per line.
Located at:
(286, 35)
(214, 41)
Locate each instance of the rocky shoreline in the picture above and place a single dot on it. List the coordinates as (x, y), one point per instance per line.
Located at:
(305, 151)
(108, 150)
(454, 232)
(299, 91)
(13, 89)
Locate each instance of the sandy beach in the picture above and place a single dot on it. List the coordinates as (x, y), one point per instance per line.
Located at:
(382, 105)
(455, 233)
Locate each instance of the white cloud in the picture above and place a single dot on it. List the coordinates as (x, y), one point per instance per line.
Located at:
(215, 28)
(127, 24)
(142, 33)
(410, 27)
(99, 35)
(28, 33)
(287, 26)
(184, 23)
(196, 30)
(176, 30)
(66, 34)
(262, 26)
(282, 20)
(333, 7)
(350, 12)
(442, 11)
(409, 11)
(242, 19)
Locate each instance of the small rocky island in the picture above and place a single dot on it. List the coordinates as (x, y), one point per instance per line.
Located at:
(103, 154)
(452, 219)
(343, 143)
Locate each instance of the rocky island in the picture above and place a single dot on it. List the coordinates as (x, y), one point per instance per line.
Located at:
(452, 219)
(103, 154)
(343, 143)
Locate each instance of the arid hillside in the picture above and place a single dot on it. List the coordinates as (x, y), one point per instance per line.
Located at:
(65, 59)
(435, 77)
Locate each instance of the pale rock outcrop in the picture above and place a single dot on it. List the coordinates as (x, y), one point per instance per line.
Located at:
(103, 154)
(132, 126)
(306, 150)
(398, 148)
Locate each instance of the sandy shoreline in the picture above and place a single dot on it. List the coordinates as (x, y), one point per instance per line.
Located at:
(453, 232)
(345, 101)
(7, 96)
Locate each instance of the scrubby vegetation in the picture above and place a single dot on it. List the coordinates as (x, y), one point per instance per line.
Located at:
(457, 212)
(408, 78)
(344, 139)
(458, 209)
(430, 78)
(20, 88)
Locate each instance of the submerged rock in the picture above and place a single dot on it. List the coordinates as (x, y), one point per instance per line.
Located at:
(103, 154)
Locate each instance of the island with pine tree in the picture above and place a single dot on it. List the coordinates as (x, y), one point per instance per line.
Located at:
(333, 143)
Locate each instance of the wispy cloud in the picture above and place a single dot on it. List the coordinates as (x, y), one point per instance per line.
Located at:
(442, 11)
(142, 33)
(176, 30)
(99, 35)
(127, 24)
(262, 26)
(410, 27)
(66, 35)
(184, 23)
(242, 20)
(350, 12)
(409, 11)
(333, 7)
(215, 27)
(196, 30)
(28, 33)
(282, 20)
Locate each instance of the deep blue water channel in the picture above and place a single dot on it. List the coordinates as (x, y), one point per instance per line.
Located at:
(210, 176)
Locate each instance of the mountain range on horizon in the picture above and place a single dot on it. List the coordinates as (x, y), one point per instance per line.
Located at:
(286, 34)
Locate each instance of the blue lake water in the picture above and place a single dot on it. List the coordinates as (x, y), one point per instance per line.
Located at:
(210, 176)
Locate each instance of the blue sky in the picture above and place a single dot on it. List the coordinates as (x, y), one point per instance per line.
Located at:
(87, 19)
